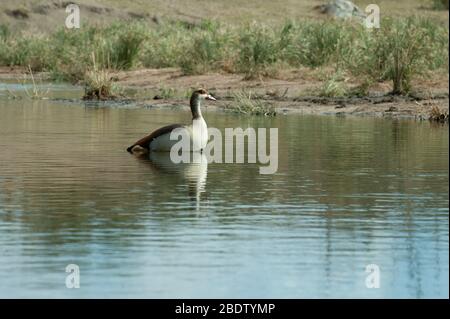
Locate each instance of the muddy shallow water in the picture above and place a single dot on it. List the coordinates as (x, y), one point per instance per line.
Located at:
(348, 192)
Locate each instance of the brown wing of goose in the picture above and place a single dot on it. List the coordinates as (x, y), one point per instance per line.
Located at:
(145, 141)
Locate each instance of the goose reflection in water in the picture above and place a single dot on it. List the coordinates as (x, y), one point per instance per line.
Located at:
(192, 174)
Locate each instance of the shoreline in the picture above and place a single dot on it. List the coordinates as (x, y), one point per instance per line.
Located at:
(392, 108)
(291, 95)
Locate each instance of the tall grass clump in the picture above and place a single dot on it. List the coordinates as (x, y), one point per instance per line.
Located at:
(209, 48)
(400, 50)
(121, 44)
(164, 47)
(259, 49)
(246, 103)
(25, 50)
(98, 83)
(115, 47)
(333, 86)
(36, 92)
(195, 49)
(439, 115)
(72, 50)
(315, 44)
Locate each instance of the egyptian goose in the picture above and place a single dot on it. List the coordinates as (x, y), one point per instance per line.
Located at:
(159, 140)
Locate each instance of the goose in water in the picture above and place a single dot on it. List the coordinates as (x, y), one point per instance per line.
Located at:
(159, 140)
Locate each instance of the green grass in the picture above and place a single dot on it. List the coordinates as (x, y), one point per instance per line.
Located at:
(440, 4)
(314, 44)
(258, 50)
(399, 51)
(4, 32)
(333, 86)
(248, 104)
(67, 53)
(167, 93)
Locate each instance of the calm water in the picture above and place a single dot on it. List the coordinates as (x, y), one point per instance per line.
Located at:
(348, 192)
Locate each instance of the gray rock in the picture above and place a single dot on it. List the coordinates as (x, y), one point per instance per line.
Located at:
(344, 9)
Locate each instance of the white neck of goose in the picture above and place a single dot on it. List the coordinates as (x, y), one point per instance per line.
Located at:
(195, 106)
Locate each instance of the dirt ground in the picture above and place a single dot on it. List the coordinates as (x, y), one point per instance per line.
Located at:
(293, 92)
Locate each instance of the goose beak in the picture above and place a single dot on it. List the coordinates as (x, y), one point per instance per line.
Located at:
(210, 97)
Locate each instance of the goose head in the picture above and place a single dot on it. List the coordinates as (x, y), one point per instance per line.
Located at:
(196, 98)
(203, 94)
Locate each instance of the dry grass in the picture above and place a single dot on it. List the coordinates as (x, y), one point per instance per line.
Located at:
(438, 115)
(247, 103)
(334, 86)
(99, 84)
(36, 93)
